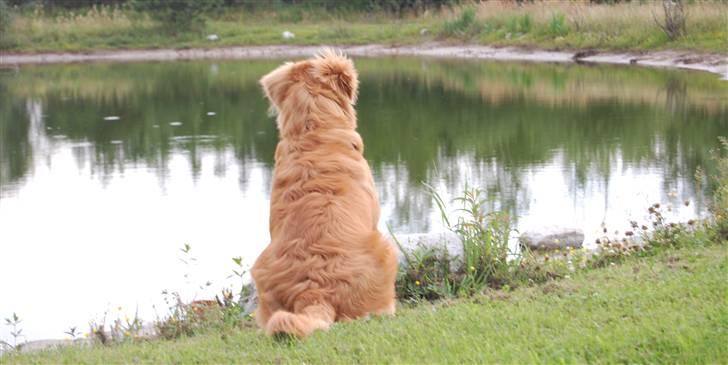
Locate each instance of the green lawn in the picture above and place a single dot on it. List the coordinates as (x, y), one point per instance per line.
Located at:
(548, 24)
(668, 308)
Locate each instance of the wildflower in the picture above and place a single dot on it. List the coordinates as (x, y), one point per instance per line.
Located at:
(417, 282)
(472, 268)
(126, 333)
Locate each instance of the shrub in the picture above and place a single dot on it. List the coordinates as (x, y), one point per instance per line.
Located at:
(177, 15)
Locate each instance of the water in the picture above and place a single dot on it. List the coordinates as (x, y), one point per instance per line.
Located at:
(107, 170)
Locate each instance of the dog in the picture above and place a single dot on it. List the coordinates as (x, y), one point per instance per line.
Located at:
(326, 260)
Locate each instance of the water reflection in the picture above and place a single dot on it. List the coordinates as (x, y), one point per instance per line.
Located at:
(95, 209)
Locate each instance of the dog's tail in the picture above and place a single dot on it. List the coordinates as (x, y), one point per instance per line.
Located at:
(303, 322)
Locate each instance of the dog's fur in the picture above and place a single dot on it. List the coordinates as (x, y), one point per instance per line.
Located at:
(326, 260)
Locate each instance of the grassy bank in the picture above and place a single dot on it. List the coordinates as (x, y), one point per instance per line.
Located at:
(562, 25)
(670, 307)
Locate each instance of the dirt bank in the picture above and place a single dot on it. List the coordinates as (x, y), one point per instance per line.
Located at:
(716, 63)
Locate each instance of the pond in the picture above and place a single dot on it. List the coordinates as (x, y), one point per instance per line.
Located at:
(108, 170)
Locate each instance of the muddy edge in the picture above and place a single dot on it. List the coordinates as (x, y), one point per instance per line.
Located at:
(710, 62)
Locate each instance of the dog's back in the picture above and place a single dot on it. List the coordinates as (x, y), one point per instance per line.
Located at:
(326, 261)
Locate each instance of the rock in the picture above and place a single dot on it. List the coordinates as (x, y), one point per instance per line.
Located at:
(438, 240)
(552, 238)
(249, 299)
(212, 37)
(288, 35)
(44, 345)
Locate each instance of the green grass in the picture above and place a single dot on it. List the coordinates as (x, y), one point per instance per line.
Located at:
(667, 308)
(552, 25)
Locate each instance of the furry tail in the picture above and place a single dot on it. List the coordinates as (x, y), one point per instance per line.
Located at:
(302, 323)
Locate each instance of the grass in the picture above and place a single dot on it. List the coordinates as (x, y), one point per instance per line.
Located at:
(670, 307)
(557, 25)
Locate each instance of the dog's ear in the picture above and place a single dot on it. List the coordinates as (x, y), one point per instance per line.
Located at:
(338, 72)
(276, 83)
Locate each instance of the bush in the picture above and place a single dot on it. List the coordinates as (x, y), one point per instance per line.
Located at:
(177, 15)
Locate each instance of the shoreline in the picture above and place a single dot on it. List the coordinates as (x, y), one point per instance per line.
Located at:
(707, 62)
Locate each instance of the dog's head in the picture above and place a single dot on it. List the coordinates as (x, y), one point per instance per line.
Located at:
(329, 75)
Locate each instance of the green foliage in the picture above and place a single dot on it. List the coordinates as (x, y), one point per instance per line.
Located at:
(519, 24)
(430, 273)
(49, 27)
(178, 15)
(464, 24)
(6, 18)
(557, 25)
(719, 208)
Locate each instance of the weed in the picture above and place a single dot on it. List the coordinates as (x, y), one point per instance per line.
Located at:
(72, 332)
(430, 273)
(14, 322)
(224, 312)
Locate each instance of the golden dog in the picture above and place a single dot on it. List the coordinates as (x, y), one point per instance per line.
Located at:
(326, 260)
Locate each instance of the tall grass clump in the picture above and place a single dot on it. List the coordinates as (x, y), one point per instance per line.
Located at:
(461, 26)
(558, 26)
(519, 24)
